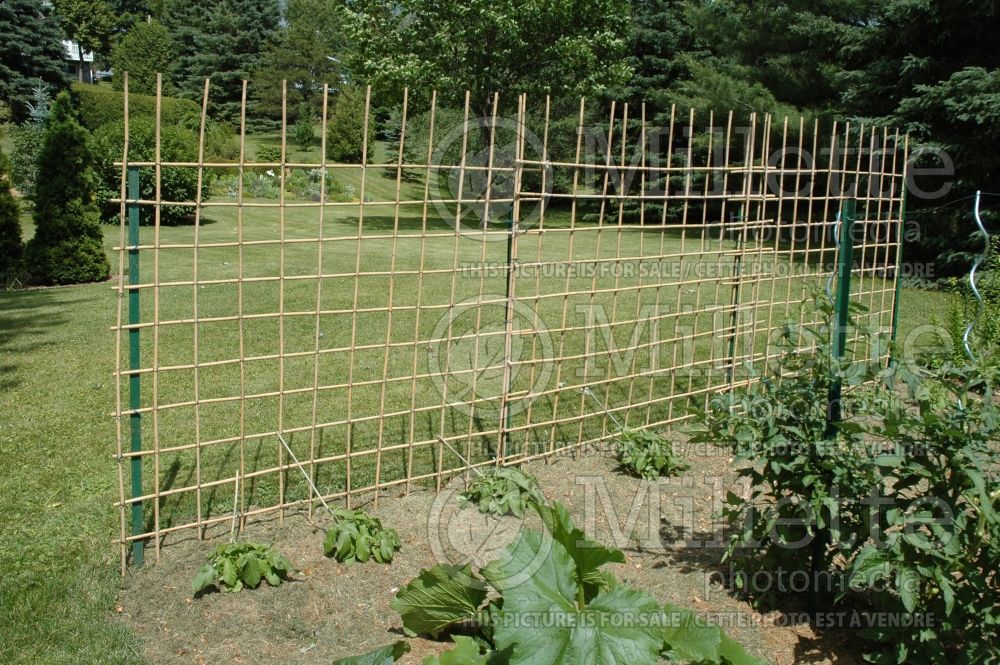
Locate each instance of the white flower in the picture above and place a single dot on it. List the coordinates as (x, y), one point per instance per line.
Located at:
(270, 173)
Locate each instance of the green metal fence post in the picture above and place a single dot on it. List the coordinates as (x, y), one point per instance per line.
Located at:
(134, 383)
(845, 260)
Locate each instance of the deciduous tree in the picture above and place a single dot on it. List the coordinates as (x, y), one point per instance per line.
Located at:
(143, 52)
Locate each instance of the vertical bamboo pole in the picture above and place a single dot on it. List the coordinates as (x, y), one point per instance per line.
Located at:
(196, 355)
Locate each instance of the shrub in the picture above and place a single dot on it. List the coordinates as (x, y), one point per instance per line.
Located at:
(101, 106)
(304, 132)
(176, 184)
(346, 130)
(68, 246)
(10, 225)
(220, 142)
(26, 143)
(145, 50)
(27, 140)
(268, 154)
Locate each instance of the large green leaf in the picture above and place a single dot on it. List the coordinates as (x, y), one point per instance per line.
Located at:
(204, 579)
(386, 655)
(438, 598)
(540, 621)
(587, 555)
(466, 652)
(689, 638)
(734, 653)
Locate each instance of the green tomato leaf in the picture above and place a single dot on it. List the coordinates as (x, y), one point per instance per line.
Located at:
(908, 586)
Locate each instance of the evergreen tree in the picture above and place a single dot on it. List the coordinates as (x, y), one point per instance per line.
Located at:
(933, 69)
(10, 226)
(226, 41)
(659, 35)
(145, 51)
(67, 247)
(30, 49)
(305, 56)
(345, 134)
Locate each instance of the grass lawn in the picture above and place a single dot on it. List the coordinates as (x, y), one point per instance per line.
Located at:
(60, 576)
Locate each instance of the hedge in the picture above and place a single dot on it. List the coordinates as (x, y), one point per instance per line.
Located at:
(177, 144)
(100, 105)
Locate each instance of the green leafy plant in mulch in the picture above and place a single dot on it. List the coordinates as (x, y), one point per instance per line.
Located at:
(235, 566)
(551, 602)
(502, 491)
(897, 504)
(939, 547)
(357, 537)
(806, 477)
(646, 454)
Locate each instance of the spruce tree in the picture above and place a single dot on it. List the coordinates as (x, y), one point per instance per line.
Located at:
(10, 227)
(225, 41)
(67, 247)
(30, 49)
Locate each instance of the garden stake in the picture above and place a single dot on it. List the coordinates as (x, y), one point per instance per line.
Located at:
(305, 475)
(236, 509)
(899, 266)
(588, 391)
(468, 464)
(972, 278)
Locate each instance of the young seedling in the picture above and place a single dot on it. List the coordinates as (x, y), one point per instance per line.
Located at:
(358, 537)
(233, 566)
(501, 492)
(646, 454)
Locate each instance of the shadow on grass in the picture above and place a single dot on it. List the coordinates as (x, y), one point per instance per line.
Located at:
(26, 319)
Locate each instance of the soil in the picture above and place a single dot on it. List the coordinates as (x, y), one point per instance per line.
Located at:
(330, 610)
